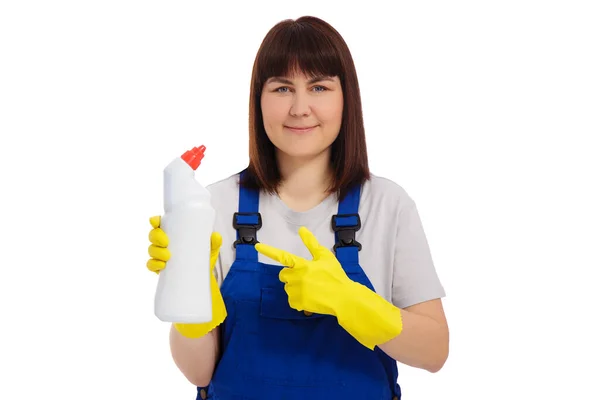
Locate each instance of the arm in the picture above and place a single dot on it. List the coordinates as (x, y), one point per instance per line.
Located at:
(424, 340)
(196, 358)
(411, 328)
(195, 347)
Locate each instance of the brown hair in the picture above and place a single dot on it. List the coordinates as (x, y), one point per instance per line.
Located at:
(311, 46)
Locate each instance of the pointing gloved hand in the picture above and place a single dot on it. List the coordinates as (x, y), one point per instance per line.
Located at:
(320, 285)
(160, 255)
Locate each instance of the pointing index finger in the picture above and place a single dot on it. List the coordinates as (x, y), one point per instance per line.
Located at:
(283, 257)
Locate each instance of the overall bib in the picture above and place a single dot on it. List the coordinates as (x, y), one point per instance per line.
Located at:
(271, 351)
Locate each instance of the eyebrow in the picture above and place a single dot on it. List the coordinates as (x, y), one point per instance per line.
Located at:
(279, 79)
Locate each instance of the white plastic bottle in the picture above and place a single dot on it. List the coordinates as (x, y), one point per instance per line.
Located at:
(183, 290)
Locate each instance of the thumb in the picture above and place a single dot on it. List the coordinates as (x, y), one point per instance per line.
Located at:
(215, 245)
(155, 221)
(215, 242)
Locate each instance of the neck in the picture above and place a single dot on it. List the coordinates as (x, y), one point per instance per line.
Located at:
(305, 181)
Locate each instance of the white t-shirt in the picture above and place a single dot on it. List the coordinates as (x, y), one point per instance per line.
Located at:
(395, 253)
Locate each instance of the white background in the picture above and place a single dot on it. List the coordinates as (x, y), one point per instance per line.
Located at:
(487, 113)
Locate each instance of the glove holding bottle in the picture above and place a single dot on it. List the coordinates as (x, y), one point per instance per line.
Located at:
(159, 257)
(187, 293)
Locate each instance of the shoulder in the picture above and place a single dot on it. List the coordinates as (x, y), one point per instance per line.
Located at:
(224, 194)
(225, 190)
(385, 195)
(224, 186)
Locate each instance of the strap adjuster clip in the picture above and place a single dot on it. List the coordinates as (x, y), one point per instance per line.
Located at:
(346, 233)
(246, 232)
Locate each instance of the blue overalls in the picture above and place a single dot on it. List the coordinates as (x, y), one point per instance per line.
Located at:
(271, 351)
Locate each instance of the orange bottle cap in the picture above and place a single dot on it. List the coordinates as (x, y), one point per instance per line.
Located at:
(194, 156)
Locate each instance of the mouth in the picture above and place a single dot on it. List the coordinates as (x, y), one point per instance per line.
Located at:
(300, 129)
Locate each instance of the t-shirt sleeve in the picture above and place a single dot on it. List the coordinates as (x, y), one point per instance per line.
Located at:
(415, 279)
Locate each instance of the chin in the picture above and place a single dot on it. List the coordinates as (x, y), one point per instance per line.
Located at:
(299, 151)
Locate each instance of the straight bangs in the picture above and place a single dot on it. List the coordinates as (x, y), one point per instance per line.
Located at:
(300, 49)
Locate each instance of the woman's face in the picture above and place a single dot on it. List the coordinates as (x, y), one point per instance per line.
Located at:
(302, 116)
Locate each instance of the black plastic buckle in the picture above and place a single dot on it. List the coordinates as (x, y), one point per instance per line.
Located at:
(246, 232)
(346, 234)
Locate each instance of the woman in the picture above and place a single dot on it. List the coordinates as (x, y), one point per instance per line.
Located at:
(325, 280)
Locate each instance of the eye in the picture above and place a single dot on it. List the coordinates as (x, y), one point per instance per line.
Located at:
(279, 89)
(320, 87)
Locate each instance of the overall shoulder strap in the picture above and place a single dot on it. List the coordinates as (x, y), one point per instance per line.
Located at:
(345, 224)
(247, 221)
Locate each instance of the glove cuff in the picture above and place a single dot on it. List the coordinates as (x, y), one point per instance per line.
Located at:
(194, 331)
(368, 317)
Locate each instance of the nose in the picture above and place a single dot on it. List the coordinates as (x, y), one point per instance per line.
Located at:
(300, 105)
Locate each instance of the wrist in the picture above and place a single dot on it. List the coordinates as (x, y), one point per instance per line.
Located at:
(348, 297)
(194, 331)
(358, 303)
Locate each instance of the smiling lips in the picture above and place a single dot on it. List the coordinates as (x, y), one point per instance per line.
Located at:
(301, 129)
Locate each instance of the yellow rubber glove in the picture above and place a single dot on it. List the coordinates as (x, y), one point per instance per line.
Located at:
(320, 285)
(160, 255)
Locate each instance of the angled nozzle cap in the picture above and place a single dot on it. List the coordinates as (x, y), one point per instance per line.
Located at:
(194, 156)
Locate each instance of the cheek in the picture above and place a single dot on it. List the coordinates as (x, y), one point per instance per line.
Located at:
(332, 112)
(272, 112)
